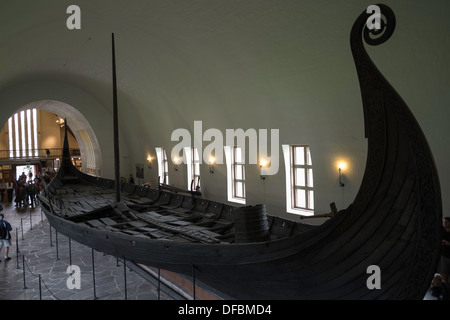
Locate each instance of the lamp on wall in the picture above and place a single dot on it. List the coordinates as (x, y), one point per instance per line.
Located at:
(176, 162)
(149, 161)
(341, 166)
(60, 121)
(211, 164)
(262, 164)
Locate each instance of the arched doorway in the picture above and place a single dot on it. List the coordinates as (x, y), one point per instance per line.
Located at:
(85, 137)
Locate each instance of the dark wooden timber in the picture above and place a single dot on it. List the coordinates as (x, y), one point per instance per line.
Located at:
(393, 223)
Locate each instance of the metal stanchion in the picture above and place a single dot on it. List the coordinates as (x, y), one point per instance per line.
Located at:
(51, 243)
(57, 247)
(40, 288)
(70, 252)
(23, 264)
(125, 277)
(17, 248)
(93, 275)
(159, 284)
(21, 227)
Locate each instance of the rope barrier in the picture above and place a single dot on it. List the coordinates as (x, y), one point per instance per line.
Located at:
(27, 269)
(39, 276)
(24, 262)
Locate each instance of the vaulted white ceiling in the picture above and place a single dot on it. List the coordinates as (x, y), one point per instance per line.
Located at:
(282, 64)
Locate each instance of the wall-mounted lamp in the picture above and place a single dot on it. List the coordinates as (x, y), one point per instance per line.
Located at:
(211, 164)
(176, 162)
(341, 166)
(263, 164)
(149, 162)
(60, 121)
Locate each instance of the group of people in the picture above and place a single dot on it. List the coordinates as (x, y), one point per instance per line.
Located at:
(25, 190)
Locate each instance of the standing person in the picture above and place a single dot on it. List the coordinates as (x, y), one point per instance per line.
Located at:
(10, 190)
(2, 190)
(445, 250)
(5, 236)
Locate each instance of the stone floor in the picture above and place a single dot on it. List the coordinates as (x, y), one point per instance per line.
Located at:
(48, 255)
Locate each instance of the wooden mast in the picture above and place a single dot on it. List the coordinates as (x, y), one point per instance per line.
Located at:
(66, 159)
(116, 126)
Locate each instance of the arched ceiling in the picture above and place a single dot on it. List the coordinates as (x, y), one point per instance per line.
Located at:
(176, 58)
(81, 128)
(259, 64)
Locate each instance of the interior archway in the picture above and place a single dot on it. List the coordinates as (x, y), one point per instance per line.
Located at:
(82, 130)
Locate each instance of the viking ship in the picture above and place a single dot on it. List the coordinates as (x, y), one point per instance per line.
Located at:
(245, 253)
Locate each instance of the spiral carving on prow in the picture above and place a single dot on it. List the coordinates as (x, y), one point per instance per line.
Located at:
(372, 83)
(374, 36)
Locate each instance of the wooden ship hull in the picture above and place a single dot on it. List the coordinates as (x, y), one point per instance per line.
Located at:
(393, 223)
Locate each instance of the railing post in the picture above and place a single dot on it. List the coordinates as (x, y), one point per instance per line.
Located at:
(159, 284)
(50, 233)
(21, 227)
(57, 247)
(125, 276)
(17, 248)
(40, 288)
(70, 252)
(93, 275)
(31, 223)
(23, 265)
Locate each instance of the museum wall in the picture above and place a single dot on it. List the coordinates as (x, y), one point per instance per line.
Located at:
(284, 65)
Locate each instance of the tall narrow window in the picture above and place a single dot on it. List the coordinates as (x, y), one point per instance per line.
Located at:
(235, 174)
(23, 134)
(238, 173)
(29, 132)
(193, 167)
(35, 132)
(299, 179)
(163, 165)
(10, 138)
(16, 132)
